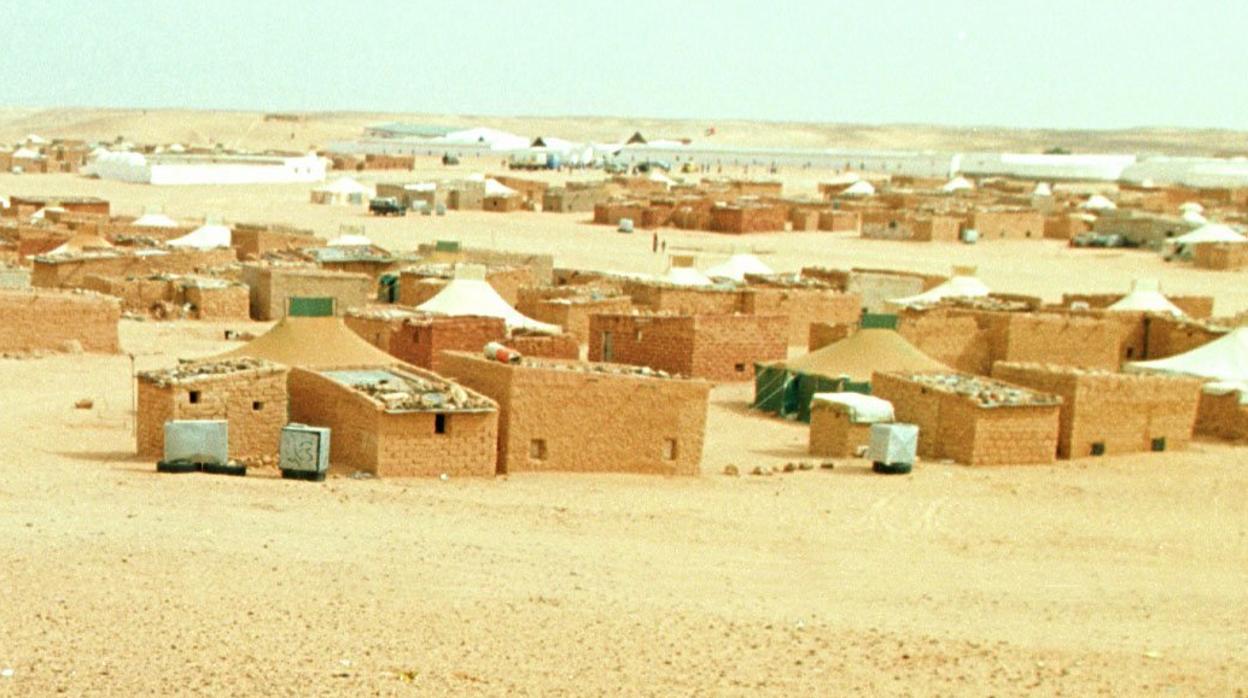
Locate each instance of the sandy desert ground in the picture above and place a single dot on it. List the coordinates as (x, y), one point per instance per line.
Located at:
(1114, 576)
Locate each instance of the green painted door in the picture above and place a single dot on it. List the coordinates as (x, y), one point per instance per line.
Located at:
(311, 307)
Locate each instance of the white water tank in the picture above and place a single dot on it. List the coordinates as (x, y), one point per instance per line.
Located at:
(304, 453)
(199, 441)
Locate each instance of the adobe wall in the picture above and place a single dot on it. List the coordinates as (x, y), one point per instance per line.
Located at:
(955, 427)
(541, 267)
(1220, 256)
(681, 299)
(219, 303)
(714, 347)
(1222, 417)
(957, 342)
(802, 306)
(876, 289)
(416, 287)
(572, 314)
(633, 417)
(1198, 307)
(822, 334)
(833, 435)
(364, 437)
(420, 341)
(272, 287)
(1083, 342)
(551, 346)
(253, 243)
(1012, 225)
(1123, 413)
(69, 272)
(748, 219)
(253, 402)
(840, 221)
(1168, 336)
(47, 320)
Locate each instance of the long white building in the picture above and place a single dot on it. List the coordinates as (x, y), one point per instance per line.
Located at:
(208, 169)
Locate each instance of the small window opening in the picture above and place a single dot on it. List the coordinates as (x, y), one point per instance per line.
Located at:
(669, 449)
(257, 406)
(740, 368)
(537, 449)
(439, 424)
(1098, 448)
(194, 397)
(1159, 443)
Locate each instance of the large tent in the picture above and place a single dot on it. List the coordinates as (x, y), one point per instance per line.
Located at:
(787, 387)
(342, 192)
(1098, 202)
(956, 287)
(737, 267)
(860, 188)
(205, 237)
(686, 276)
(81, 242)
(957, 184)
(470, 294)
(1224, 359)
(1145, 296)
(312, 342)
(1210, 232)
(154, 220)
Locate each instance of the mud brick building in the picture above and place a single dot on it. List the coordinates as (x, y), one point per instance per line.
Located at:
(420, 339)
(642, 423)
(364, 259)
(273, 287)
(802, 305)
(836, 430)
(1222, 413)
(172, 297)
(71, 271)
(48, 320)
(1112, 413)
(541, 267)
(840, 221)
(251, 241)
(714, 347)
(687, 300)
(1167, 336)
(1009, 224)
(748, 218)
(572, 312)
(1220, 256)
(250, 394)
(574, 197)
(550, 346)
(875, 287)
(502, 203)
(420, 283)
(1198, 307)
(971, 420)
(530, 191)
(28, 205)
(398, 421)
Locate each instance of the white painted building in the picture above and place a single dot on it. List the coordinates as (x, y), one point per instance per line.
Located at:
(208, 169)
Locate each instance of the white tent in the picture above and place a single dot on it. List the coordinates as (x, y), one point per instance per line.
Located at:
(1191, 206)
(1194, 216)
(1098, 202)
(493, 187)
(205, 237)
(957, 184)
(26, 154)
(658, 176)
(1210, 232)
(495, 139)
(36, 139)
(350, 241)
(737, 267)
(860, 188)
(1042, 189)
(1145, 296)
(686, 276)
(1224, 359)
(862, 409)
(470, 294)
(956, 287)
(342, 191)
(154, 220)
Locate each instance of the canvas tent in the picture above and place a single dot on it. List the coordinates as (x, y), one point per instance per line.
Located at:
(862, 409)
(154, 220)
(787, 387)
(470, 294)
(81, 242)
(1098, 202)
(737, 267)
(1224, 359)
(956, 287)
(312, 342)
(860, 188)
(957, 184)
(1210, 232)
(686, 276)
(343, 191)
(1145, 296)
(350, 240)
(205, 237)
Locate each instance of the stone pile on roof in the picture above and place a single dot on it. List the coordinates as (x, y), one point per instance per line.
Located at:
(984, 391)
(408, 392)
(187, 372)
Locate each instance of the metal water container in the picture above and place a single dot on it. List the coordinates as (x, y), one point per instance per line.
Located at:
(192, 444)
(893, 447)
(626, 225)
(304, 453)
(970, 236)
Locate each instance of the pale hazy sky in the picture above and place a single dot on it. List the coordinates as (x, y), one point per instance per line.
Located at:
(1038, 63)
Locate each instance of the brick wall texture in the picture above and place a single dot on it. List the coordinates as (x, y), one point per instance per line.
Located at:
(714, 347)
(46, 320)
(639, 424)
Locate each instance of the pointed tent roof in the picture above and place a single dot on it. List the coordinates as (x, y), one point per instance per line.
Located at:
(312, 342)
(863, 353)
(80, 242)
(686, 276)
(1098, 202)
(737, 267)
(1210, 232)
(26, 154)
(1223, 359)
(154, 220)
(205, 237)
(1191, 206)
(470, 294)
(1146, 296)
(860, 188)
(345, 185)
(1194, 216)
(1042, 189)
(958, 183)
(956, 287)
(636, 139)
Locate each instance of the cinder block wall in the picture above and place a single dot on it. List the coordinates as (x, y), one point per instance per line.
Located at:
(46, 320)
(833, 435)
(714, 347)
(253, 402)
(277, 285)
(802, 306)
(634, 418)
